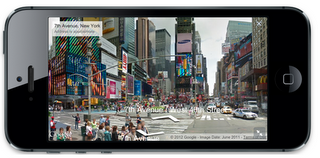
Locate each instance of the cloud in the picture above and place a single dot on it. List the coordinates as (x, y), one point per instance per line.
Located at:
(219, 39)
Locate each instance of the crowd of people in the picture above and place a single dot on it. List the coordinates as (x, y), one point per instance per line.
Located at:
(102, 130)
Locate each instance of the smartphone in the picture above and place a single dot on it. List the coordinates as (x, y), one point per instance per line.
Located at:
(118, 79)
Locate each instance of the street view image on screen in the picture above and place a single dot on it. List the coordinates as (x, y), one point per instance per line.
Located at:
(157, 79)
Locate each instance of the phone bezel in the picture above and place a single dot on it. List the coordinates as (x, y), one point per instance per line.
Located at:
(277, 16)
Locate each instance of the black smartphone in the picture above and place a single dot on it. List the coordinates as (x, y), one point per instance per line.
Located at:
(110, 79)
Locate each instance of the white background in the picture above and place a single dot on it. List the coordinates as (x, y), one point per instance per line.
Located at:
(311, 8)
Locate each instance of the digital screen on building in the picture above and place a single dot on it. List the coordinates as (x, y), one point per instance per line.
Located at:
(209, 73)
(184, 65)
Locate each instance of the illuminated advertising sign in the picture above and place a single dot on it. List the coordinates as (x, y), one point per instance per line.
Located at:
(110, 62)
(243, 47)
(124, 61)
(184, 65)
(110, 27)
(130, 84)
(199, 64)
(108, 46)
(184, 42)
(113, 89)
(98, 82)
(137, 87)
(225, 48)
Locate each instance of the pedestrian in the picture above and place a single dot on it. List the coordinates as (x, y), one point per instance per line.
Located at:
(52, 125)
(86, 122)
(123, 130)
(107, 134)
(132, 135)
(76, 121)
(130, 126)
(89, 131)
(61, 136)
(143, 127)
(68, 133)
(100, 133)
(61, 108)
(107, 121)
(94, 128)
(139, 135)
(52, 128)
(128, 120)
(114, 134)
(102, 119)
(138, 119)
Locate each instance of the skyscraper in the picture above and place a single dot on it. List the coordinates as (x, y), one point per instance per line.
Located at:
(129, 43)
(236, 30)
(145, 43)
(163, 47)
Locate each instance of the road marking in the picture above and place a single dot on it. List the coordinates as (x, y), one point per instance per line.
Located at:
(221, 118)
(203, 117)
(215, 118)
(208, 117)
(163, 117)
(228, 118)
(197, 117)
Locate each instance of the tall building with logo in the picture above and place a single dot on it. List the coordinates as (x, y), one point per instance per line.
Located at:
(184, 35)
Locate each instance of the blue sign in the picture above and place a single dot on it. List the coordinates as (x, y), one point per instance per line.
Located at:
(137, 87)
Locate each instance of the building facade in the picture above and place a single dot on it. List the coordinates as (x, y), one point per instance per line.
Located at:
(260, 46)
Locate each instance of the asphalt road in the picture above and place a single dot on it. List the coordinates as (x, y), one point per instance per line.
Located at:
(204, 123)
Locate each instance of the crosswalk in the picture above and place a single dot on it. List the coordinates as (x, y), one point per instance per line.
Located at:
(222, 118)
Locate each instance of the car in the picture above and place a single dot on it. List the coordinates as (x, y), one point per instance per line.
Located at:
(244, 113)
(211, 107)
(226, 110)
(50, 108)
(252, 106)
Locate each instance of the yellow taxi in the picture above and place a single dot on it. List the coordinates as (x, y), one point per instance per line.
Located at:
(226, 110)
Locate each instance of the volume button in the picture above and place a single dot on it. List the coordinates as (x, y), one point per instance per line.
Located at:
(4, 42)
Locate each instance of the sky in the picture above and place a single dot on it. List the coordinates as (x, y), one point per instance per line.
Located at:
(212, 32)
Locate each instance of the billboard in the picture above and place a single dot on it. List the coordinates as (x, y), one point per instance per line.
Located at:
(184, 42)
(230, 70)
(98, 82)
(199, 64)
(113, 89)
(124, 61)
(243, 47)
(225, 48)
(130, 85)
(137, 87)
(110, 63)
(165, 73)
(108, 46)
(201, 82)
(184, 65)
(183, 80)
(110, 27)
(146, 88)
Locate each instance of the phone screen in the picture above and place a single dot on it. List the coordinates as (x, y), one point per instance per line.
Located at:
(157, 79)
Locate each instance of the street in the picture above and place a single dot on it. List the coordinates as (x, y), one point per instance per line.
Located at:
(204, 123)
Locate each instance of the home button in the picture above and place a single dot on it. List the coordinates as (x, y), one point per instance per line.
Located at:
(288, 79)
